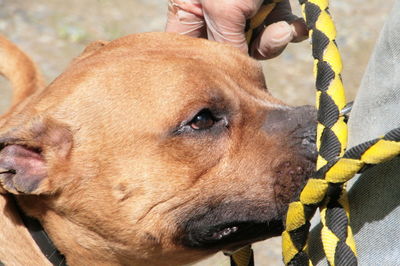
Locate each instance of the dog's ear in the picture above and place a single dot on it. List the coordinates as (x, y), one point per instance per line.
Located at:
(90, 49)
(32, 153)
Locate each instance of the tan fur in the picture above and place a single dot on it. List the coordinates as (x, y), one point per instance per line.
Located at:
(17, 245)
(22, 72)
(119, 180)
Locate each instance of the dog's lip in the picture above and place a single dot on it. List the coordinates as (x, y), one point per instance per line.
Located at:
(233, 235)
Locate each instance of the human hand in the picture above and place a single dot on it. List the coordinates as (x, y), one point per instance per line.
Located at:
(225, 21)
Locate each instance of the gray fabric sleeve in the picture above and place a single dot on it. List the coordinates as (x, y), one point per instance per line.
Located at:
(375, 195)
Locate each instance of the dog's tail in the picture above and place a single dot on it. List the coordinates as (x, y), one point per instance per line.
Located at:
(20, 70)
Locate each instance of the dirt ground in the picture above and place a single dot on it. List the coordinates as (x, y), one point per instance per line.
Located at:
(55, 31)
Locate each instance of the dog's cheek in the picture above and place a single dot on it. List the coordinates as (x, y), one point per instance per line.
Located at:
(198, 153)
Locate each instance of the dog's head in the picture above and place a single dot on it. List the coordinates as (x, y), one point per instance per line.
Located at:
(157, 147)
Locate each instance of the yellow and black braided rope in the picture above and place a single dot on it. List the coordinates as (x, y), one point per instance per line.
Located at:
(341, 170)
(334, 166)
(327, 182)
(331, 143)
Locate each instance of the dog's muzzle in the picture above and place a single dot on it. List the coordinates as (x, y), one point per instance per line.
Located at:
(296, 125)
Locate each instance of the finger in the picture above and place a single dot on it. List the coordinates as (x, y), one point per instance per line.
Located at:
(226, 20)
(185, 17)
(283, 12)
(272, 41)
(283, 27)
(275, 37)
(300, 31)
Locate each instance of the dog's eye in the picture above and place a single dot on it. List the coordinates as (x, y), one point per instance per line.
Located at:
(203, 120)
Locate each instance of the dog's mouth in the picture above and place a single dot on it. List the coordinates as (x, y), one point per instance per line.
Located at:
(233, 235)
(229, 226)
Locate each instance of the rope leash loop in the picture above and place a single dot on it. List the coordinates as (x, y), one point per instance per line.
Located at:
(331, 144)
(329, 194)
(335, 166)
(324, 191)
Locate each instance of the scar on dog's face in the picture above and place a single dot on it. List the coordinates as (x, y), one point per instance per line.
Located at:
(175, 153)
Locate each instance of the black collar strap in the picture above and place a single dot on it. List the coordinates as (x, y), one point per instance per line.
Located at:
(42, 239)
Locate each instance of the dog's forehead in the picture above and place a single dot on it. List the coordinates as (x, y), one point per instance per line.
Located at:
(168, 49)
(137, 73)
(163, 62)
(176, 45)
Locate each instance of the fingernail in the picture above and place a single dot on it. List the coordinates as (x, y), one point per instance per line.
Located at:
(281, 32)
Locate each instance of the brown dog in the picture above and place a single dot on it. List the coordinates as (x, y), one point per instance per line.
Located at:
(139, 157)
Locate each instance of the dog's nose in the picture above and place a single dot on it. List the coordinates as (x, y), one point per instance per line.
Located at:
(298, 124)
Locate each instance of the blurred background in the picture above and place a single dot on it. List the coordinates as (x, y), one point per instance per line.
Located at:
(53, 32)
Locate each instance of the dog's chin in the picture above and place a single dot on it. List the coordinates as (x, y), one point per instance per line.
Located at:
(230, 225)
(233, 225)
(233, 235)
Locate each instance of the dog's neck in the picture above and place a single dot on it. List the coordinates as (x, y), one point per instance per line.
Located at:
(41, 238)
(36, 232)
(79, 245)
(17, 245)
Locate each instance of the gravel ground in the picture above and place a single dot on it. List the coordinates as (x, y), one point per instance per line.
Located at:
(55, 31)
